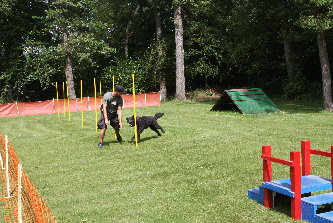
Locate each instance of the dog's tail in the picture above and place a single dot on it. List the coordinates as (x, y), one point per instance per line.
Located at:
(158, 115)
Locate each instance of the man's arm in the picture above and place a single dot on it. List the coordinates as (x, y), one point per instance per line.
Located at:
(105, 113)
(120, 116)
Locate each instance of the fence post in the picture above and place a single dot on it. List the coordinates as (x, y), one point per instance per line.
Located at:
(306, 159)
(295, 178)
(1, 162)
(267, 176)
(19, 194)
(7, 167)
(332, 166)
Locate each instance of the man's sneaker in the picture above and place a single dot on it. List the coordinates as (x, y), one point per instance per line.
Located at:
(100, 145)
(119, 138)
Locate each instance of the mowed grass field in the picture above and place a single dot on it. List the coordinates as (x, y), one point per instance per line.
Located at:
(198, 171)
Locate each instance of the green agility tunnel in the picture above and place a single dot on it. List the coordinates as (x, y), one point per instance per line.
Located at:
(247, 101)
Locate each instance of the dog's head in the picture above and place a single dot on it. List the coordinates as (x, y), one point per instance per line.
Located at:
(130, 121)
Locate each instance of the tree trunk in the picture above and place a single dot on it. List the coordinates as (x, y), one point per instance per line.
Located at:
(69, 76)
(161, 75)
(289, 56)
(325, 69)
(180, 73)
(69, 70)
(287, 43)
(127, 31)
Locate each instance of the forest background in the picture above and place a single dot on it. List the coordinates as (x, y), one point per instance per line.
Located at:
(172, 46)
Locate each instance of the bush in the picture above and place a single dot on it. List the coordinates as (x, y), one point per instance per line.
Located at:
(299, 88)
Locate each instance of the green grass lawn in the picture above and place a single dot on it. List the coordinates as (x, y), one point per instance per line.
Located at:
(198, 171)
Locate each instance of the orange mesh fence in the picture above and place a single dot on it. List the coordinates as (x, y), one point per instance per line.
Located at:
(73, 105)
(33, 208)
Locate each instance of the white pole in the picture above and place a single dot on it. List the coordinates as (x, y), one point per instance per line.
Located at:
(145, 99)
(7, 174)
(19, 191)
(54, 109)
(18, 112)
(1, 162)
(88, 104)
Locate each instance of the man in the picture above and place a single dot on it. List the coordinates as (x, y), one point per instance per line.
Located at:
(111, 113)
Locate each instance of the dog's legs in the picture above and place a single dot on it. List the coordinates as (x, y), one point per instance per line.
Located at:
(157, 126)
(160, 127)
(133, 138)
(155, 130)
(138, 132)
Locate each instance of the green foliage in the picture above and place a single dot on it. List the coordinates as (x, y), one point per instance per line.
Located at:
(6, 7)
(18, 21)
(74, 31)
(229, 45)
(206, 42)
(317, 15)
(299, 87)
(122, 70)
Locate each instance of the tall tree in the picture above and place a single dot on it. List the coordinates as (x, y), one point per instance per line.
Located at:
(325, 68)
(180, 67)
(63, 13)
(287, 29)
(75, 41)
(160, 73)
(318, 16)
(128, 30)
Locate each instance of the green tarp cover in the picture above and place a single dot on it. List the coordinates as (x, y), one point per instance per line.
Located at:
(247, 101)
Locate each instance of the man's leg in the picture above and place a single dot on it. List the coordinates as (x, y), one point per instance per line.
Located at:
(101, 137)
(117, 131)
(114, 122)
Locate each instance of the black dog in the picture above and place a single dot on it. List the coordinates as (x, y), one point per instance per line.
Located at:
(145, 122)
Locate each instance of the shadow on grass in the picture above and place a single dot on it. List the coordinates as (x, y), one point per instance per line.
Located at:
(112, 142)
(147, 138)
(288, 106)
(107, 143)
(293, 106)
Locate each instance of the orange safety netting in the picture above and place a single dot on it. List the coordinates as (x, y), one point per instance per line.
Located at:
(73, 105)
(33, 208)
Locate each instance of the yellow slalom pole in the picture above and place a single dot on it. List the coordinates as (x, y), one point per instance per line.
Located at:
(112, 83)
(115, 135)
(69, 107)
(82, 105)
(64, 96)
(135, 127)
(58, 101)
(95, 103)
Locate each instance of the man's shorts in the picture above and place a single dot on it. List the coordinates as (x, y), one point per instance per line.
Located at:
(113, 121)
